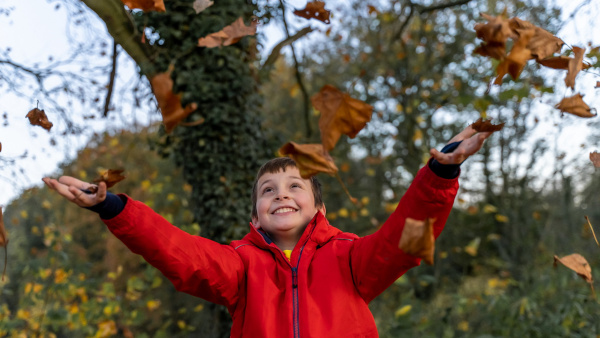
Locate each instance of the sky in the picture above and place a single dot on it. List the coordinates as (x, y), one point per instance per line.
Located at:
(35, 29)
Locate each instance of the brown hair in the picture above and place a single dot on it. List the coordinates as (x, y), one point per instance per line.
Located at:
(280, 164)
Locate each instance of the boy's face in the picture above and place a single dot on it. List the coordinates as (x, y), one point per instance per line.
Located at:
(285, 203)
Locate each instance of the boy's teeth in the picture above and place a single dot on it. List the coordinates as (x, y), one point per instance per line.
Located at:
(279, 211)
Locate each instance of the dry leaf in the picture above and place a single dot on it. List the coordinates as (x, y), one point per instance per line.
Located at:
(575, 65)
(516, 59)
(495, 50)
(560, 62)
(575, 105)
(228, 35)
(110, 177)
(577, 263)
(482, 126)
(314, 10)
(496, 30)
(597, 84)
(3, 242)
(201, 5)
(145, 5)
(169, 103)
(595, 158)
(418, 240)
(311, 159)
(340, 114)
(37, 117)
(543, 43)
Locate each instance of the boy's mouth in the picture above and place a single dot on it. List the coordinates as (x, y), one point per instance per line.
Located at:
(283, 210)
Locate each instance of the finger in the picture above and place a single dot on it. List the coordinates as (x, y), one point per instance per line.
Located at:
(101, 193)
(81, 198)
(463, 135)
(62, 189)
(439, 156)
(72, 181)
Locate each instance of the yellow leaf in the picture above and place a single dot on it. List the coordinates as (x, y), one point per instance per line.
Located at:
(46, 204)
(294, 90)
(463, 326)
(364, 212)
(28, 288)
(473, 247)
(199, 308)
(73, 309)
(146, 185)
(418, 135)
(114, 142)
(403, 311)
(488, 209)
(37, 288)
(23, 314)
(153, 304)
(501, 218)
(343, 212)
(108, 310)
(370, 172)
(106, 329)
(365, 200)
(24, 214)
(60, 276)
(181, 324)
(399, 108)
(390, 207)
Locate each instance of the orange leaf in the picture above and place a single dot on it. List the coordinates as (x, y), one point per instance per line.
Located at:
(110, 177)
(145, 5)
(577, 263)
(560, 62)
(595, 158)
(3, 242)
(575, 65)
(169, 103)
(310, 158)
(543, 43)
(496, 30)
(575, 105)
(228, 35)
(482, 126)
(314, 10)
(516, 59)
(418, 240)
(37, 117)
(496, 50)
(340, 114)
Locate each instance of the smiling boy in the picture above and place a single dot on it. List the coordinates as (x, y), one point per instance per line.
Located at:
(293, 274)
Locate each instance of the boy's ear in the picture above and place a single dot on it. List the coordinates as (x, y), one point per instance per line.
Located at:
(255, 222)
(323, 210)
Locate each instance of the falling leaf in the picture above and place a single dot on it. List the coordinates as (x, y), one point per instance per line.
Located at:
(595, 158)
(577, 263)
(0, 146)
(37, 117)
(495, 50)
(228, 35)
(575, 65)
(482, 126)
(597, 84)
(110, 177)
(201, 5)
(310, 158)
(575, 105)
(496, 30)
(170, 104)
(560, 62)
(314, 10)
(543, 43)
(145, 5)
(3, 242)
(473, 247)
(418, 240)
(516, 59)
(340, 114)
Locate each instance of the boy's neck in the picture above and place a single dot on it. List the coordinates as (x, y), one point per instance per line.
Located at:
(288, 240)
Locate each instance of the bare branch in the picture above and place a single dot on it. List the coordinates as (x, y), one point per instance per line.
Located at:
(276, 52)
(111, 82)
(432, 8)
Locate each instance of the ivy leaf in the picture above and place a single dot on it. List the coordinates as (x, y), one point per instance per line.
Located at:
(575, 105)
(201, 5)
(577, 263)
(310, 158)
(37, 117)
(145, 5)
(3, 242)
(595, 158)
(228, 35)
(575, 65)
(516, 59)
(170, 104)
(543, 43)
(340, 114)
(418, 240)
(482, 126)
(314, 10)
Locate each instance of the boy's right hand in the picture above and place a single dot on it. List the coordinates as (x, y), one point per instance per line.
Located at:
(74, 190)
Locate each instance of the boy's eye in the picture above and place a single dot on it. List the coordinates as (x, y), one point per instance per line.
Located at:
(295, 185)
(266, 190)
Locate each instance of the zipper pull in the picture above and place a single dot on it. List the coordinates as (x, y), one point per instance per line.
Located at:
(295, 278)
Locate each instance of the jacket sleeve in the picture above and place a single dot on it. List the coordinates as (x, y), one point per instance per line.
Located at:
(194, 264)
(376, 260)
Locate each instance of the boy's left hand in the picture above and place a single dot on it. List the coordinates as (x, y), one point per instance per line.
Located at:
(471, 143)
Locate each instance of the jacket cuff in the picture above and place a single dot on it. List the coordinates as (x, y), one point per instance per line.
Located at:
(447, 171)
(110, 207)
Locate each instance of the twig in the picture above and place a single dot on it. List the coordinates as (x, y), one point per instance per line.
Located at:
(111, 82)
(298, 76)
(592, 228)
(432, 8)
(339, 178)
(275, 53)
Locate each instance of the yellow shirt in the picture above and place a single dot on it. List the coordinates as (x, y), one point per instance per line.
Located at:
(288, 254)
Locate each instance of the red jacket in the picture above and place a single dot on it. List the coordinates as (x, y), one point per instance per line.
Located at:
(325, 288)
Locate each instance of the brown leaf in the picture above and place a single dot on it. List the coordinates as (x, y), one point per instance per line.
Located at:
(575, 105)
(37, 117)
(560, 62)
(110, 177)
(228, 35)
(577, 263)
(310, 158)
(575, 65)
(340, 114)
(169, 103)
(145, 5)
(201, 5)
(496, 30)
(3, 242)
(543, 44)
(314, 10)
(482, 126)
(516, 59)
(495, 50)
(595, 158)
(418, 240)
(597, 84)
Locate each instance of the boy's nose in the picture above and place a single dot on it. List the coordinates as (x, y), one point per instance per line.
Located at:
(282, 197)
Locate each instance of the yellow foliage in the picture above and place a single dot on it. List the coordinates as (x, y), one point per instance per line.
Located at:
(370, 172)
(364, 212)
(24, 214)
(343, 212)
(23, 314)
(28, 288)
(501, 218)
(418, 135)
(60, 276)
(199, 308)
(145, 185)
(390, 207)
(181, 324)
(37, 287)
(403, 311)
(73, 309)
(488, 209)
(106, 329)
(153, 304)
(463, 326)
(46, 204)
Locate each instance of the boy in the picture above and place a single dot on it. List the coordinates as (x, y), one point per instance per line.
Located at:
(293, 275)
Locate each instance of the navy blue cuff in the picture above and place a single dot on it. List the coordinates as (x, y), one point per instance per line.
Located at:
(110, 207)
(448, 171)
